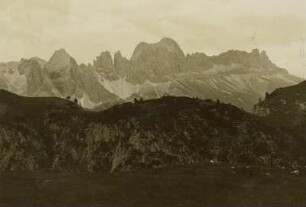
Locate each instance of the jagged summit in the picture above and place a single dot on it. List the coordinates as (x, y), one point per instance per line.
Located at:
(167, 40)
(60, 56)
(165, 44)
(158, 59)
(255, 51)
(61, 50)
(104, 60)
(155, 69)
(60, 53)
(253, 59)
(42, 62)
(59, 60)
(170, 44)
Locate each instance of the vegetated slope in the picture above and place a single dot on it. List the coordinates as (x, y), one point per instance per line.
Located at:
(29, 107)
(145, 134)
(173, 186)
(286, 108)
(285, 101)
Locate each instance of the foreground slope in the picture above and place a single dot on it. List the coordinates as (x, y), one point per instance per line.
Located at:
(286, 108)
(145, 134)
(285, 101)
(176, 186)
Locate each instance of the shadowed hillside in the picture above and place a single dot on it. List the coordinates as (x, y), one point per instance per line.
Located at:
(56, 134)
(285, 108)
(14, 106)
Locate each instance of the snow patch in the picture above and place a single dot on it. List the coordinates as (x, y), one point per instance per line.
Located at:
(120, 87)
(87, 103)
(226, 92)
(159, 88)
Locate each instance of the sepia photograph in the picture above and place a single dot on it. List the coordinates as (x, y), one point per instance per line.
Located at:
(152, 103)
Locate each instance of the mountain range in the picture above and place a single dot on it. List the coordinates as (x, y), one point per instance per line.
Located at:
(154, 70)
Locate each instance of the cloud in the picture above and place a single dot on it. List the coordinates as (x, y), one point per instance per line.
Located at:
(27, 20)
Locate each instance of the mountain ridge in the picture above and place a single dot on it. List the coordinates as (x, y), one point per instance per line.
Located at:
(155, 69)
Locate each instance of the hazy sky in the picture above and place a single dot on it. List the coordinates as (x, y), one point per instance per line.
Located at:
(87, 27)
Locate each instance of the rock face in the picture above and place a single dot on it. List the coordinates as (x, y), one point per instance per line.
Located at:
(10, 79)
(63, 72)
(153, 61)
(124, 68)
(56, 134)
(37, 84)
(104, 65)
(61, 76)
(154, 70)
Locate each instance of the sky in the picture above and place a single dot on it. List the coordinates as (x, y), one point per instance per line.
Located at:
(85, 28)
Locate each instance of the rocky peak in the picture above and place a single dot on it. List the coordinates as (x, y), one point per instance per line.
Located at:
(29, 66)
(140, 48)
(170, 45)
(124, 68)
(264, 56)
(104, 65)
(197, 62)
(41, 62)
(118, 55)
(164, 45)
(60, 56)
(255, 52)
(60, 60)
(158, 59)
(120, 62)
(265, 61)
(104, 61)
(63, 72)
(254, 59)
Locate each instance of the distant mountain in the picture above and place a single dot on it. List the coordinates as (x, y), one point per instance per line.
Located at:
(154, 70)
(57, 134)
(154, 61)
